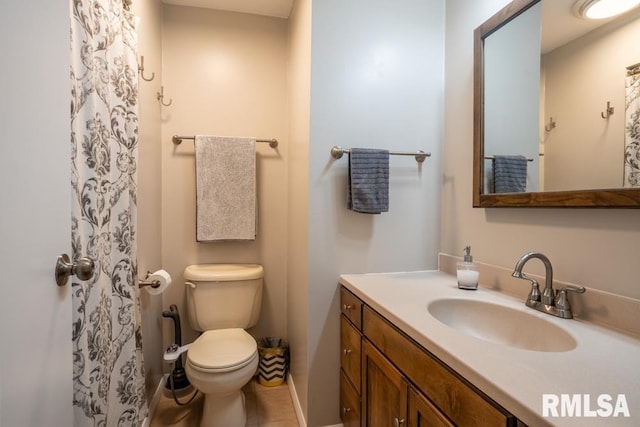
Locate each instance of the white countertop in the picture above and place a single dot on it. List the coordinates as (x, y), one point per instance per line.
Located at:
(603, 362)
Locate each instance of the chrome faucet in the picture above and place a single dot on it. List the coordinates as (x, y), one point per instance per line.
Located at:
(550, 303)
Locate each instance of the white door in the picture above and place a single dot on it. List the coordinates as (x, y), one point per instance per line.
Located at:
(35, 315)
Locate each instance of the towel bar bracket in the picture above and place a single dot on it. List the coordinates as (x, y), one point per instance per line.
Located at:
(337, 152)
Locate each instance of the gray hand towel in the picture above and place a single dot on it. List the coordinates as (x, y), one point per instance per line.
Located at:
(225, 188)
(368, 180)
(510, 174)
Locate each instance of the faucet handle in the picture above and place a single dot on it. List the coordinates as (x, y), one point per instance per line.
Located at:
(562, 302)
(534, 293)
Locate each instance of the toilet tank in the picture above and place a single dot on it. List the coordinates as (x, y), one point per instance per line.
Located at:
(221, 296)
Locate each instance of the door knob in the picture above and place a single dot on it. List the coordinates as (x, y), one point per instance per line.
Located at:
(82, 269)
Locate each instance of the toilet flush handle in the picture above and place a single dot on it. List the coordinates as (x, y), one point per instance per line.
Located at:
(191, 285)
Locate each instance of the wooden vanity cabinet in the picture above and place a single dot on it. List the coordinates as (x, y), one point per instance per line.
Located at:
(455, 398)
(399, 383)
(350, 358)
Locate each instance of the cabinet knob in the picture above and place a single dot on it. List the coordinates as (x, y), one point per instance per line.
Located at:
(398, 422)
(347, 307)
(345, 411)
(346, 351)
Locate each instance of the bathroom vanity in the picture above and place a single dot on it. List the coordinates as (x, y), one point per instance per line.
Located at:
(407, 362)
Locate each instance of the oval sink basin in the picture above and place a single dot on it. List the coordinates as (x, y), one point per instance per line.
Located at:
(502, 325)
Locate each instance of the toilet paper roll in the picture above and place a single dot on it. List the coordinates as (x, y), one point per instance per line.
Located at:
(160, 276)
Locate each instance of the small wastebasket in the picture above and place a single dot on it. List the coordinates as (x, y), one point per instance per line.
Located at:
(274, 361)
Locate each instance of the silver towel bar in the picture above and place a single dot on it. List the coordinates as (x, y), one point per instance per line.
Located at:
(177, 139)
(337, 152)
(494, 157)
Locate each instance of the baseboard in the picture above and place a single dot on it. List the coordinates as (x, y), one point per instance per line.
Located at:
(296, 402)
(153, 403)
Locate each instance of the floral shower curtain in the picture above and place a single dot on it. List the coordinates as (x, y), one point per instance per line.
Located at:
(632, 128)
(108, 375)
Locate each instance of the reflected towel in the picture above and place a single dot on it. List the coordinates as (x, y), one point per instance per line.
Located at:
(225, 188)
(368, 180)
(510, 174)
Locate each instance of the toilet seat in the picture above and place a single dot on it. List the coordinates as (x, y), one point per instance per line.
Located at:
(222, 350)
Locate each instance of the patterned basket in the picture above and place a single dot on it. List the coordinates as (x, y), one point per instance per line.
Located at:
(274, 361)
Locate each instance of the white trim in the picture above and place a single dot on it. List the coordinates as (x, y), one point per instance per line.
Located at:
(153, 404)
(296, 403)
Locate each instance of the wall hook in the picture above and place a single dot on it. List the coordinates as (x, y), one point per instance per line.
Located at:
(609, 111)
(141, 70)
(161, 97)
(550, 126)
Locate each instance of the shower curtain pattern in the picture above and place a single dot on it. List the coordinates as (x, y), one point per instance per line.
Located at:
(108, 377)
(632, 130)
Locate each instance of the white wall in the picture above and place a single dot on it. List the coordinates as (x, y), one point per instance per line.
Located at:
(584, 150)
(149, 186)
(376, 81)
(596, 248)
(299, 77)
(226, 74)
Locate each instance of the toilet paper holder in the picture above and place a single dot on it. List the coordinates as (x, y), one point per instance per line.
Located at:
(146, 282)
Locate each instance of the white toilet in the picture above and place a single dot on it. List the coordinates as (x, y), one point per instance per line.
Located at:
(222, 301)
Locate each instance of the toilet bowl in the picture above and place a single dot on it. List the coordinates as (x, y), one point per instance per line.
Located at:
(223, 300)
(219, 364)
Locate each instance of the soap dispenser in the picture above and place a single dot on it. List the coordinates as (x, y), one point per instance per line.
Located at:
(467, 271)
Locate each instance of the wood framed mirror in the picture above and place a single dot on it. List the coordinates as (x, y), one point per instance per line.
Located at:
(579, 135)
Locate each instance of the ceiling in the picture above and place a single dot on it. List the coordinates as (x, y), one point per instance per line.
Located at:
(275, 8)
(561, 25)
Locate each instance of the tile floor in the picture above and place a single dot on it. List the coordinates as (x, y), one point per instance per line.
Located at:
(266, 407)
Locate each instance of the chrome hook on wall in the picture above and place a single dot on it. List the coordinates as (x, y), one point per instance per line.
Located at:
(609, 112)
(141, 71)
(550, 126)
(161, 97)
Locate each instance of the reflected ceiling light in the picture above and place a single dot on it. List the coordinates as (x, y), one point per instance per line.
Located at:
(599, 9)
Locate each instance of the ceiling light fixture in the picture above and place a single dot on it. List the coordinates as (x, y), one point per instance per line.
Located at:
(600, 9)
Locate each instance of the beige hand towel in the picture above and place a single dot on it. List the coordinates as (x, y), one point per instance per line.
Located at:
(225, 188)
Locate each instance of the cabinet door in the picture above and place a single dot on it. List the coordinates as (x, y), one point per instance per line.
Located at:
(422, 413)
(349, 403)
(384, 391)
(350, 352)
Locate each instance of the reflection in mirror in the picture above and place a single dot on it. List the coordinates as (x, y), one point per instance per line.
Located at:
(511, 104)
(557, 108)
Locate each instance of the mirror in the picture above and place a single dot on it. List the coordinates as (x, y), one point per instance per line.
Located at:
(556, 108)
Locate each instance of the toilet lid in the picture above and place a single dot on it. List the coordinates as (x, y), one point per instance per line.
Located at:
(222, 349)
